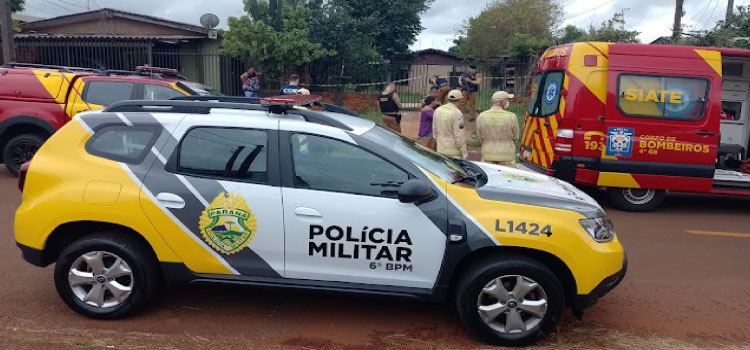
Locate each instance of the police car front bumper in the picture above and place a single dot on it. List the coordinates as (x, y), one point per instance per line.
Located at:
(582, 302)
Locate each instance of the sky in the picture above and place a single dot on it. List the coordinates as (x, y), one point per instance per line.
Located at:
(652, 18)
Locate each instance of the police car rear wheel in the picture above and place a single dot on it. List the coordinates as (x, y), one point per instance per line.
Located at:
(106, 276)
(513, 301)
(636, 199)
(19, 150)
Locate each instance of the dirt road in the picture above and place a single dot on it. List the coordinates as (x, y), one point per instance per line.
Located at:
(682, 289)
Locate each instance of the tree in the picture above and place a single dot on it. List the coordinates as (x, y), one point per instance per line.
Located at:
(733, 34)
(254, 36)
(487, 35)
(611, 30)
(17, 5)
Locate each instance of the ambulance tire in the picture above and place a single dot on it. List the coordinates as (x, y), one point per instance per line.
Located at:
(144, 276)
(470, 286)
(19, 150)
(636, 200)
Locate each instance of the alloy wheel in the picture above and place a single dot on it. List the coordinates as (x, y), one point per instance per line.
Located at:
(101, 279)
(512, 304)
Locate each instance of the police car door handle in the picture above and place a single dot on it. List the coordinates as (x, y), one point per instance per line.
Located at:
(308, 212)
(170, 200)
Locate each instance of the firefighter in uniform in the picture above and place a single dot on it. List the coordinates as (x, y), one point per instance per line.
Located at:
(389, 107)
(448, 128)
(498, 130)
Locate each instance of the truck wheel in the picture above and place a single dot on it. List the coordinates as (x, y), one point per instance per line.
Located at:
(106, 276)
(19, 150)
(510, 302)
(636, 199)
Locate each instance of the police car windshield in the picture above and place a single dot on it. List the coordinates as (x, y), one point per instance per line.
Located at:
(440, 166)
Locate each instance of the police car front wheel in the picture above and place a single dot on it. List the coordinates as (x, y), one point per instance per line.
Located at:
(513, 301)
(106, 275)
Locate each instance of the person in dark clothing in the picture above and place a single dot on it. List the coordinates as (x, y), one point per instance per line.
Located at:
(251, 82)
(390, 104)
(293, 86)
(470, 82)
(440, 88)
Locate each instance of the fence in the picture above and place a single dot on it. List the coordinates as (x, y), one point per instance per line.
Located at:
(204, 63)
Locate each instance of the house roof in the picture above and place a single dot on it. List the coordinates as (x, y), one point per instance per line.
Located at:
(45, 36)
(436, 57)
(21, 18)
(107, 13)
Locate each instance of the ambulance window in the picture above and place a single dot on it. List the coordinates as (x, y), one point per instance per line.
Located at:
(551, 93)
(329, 165)
(662, 96)
(238, 154)
(106, 93)
(534, 94)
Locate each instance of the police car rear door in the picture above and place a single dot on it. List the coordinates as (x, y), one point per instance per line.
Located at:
(342, 218)
(220, 184)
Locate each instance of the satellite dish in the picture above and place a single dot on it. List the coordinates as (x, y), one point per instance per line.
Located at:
(210, 20)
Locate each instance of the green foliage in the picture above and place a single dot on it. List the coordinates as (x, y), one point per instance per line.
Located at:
(523, 45)
(487, 35)
(16, 5)
(733, 34)
(611, 30)
(254, 36)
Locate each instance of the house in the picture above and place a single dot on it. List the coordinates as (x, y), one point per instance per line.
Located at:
(431, 62)
(114, 39)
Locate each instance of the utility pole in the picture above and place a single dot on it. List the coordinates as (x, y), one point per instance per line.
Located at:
(730, 9)
(677, 29)
(6, 29)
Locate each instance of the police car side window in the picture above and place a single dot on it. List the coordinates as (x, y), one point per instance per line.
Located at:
(158, 92)
(230, 153)
(106, 93)
(329, 165)
(127, 144)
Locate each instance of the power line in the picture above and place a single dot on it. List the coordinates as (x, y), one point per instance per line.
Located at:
(698, 19)
(589, 10)
(58, 5)
(72, 4)
(711, 16)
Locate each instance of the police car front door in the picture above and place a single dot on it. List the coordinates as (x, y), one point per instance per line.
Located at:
(344, 223)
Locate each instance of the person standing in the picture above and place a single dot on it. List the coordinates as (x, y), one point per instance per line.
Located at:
(293, 87)
(251, 82)
(448, 128)
(470, 82)
(390, 104)
(440, 87)
(425, 122)
(498, 130)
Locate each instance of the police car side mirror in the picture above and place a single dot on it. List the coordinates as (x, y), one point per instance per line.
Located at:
(416, 191)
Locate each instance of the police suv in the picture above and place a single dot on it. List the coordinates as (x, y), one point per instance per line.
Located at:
(275, 194)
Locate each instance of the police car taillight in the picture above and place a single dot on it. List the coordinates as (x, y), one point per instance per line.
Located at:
(564, 141)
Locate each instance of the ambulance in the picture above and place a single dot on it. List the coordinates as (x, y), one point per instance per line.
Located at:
(640, 120)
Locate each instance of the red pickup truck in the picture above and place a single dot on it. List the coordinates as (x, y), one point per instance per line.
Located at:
(36, 100)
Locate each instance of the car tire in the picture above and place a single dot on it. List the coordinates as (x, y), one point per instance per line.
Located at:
(542, 288)
(637, 200)
(19, 150)
(114, 291)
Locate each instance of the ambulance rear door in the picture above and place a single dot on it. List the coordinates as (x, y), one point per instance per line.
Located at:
(661, 127)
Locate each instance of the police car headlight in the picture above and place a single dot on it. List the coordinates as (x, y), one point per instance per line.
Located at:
(600, 229)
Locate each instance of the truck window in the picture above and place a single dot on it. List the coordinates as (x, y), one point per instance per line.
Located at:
(545, 93)
(666, 97)
(106, 93)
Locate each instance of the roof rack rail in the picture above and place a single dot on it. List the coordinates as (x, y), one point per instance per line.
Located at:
(255, 100)
(152, 75)
(65, 69)
(201, 107)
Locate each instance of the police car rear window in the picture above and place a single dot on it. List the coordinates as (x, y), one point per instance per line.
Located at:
(665, 97)
(127, 144)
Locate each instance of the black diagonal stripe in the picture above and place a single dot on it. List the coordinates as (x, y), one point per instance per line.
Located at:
(246, 261)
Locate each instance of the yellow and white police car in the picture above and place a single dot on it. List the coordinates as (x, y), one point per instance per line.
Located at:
(267, 194)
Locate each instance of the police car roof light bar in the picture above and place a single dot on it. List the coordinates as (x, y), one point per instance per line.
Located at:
(255, 100)
(200, 107)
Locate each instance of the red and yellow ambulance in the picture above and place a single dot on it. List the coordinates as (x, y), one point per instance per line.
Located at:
(640, 120)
